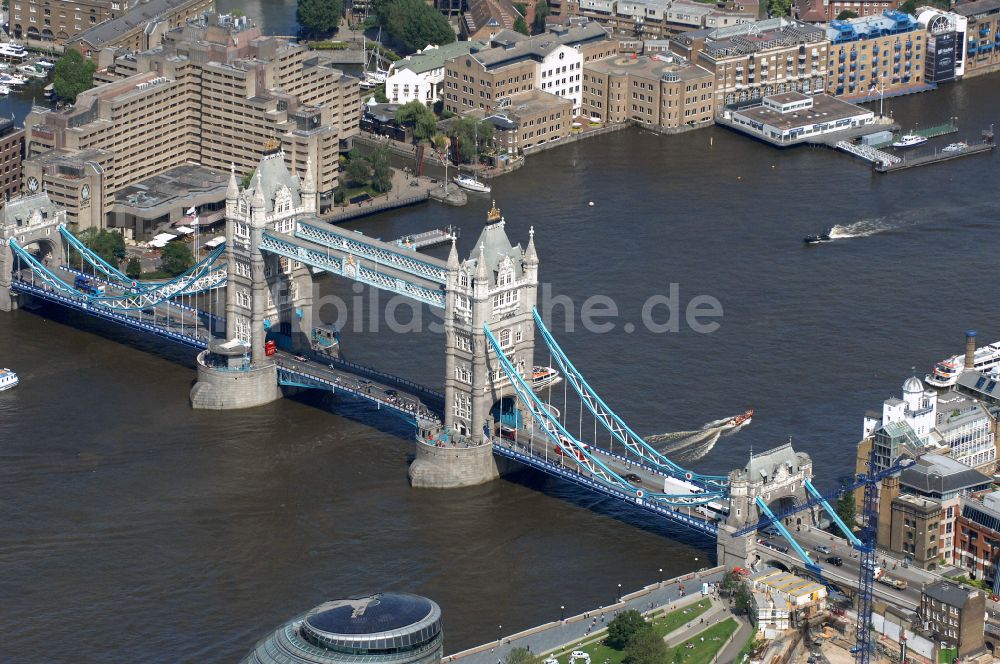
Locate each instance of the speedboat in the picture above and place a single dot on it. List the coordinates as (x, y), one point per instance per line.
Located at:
(472, 184)
(743, 418)
(909, 141)
(12, 50)
(543, 376)
(8, 379)
(955, 147)
(816, 239)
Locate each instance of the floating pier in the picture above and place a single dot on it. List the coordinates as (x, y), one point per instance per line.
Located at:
(429, 238)
(937, 156)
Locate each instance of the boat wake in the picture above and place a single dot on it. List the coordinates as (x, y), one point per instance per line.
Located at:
(693, 445)
(868, 227)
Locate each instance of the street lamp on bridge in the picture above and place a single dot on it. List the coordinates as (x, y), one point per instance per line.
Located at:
(499, 634)
(562, 612)
(619, 597)
(661, 576)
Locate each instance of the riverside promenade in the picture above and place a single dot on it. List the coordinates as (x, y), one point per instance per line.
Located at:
(552, 636)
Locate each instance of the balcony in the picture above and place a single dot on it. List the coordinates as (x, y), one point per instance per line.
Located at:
(840, 69)
(854, 56)
(841, 58)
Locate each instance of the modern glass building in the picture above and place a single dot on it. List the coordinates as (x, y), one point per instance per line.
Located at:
(389, 628)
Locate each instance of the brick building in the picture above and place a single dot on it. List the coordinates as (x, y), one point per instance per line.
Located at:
(824, 11)
(658, 19)
(551, 62)
(955, 615)
(982, 38)
(876, 55)
(139, 29)
(754, 60)
(659, 92)
(532, 118)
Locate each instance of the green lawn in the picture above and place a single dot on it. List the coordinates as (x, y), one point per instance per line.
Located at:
(663, 624)
(704, 650)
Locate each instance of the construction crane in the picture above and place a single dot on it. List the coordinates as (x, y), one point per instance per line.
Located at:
(865, 544)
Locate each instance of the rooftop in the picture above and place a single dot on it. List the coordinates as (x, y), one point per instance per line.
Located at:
(655, 66)
(533, 102)
(433, 57)
(104, 33)
(956, 410)
(825, 109)
(939, 475)
(980, 384)
(976, 8)
(787, 583)
(949, 593)
(746, 38)
(868, 27)
(536, 47)
(173, 188)
(768, 464)
(374, 614)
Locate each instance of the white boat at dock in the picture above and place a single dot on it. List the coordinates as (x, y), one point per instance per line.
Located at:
(471, 183)
(13, 51)
(8, 379)
(909, 141)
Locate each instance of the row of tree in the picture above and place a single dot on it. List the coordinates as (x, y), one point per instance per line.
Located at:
(371, 171)
(176, 257)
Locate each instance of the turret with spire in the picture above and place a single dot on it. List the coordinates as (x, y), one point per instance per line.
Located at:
(308, 188)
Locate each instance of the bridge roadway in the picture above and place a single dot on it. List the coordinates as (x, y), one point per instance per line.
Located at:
(846, 576)
(539, 452)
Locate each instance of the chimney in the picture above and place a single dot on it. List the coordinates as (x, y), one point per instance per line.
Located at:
(970, 349)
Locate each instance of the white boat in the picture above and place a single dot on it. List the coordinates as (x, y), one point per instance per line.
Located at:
(13, 51)
(4, 90)
(33, 71)
(12, 80)
(909, 141)
(471, 183)
(955, 147)
(543, 376)
(946, 372)
(46, 64)
(8, 379)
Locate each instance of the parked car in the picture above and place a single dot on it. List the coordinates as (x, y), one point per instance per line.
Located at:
(835, 560)
(824, 549)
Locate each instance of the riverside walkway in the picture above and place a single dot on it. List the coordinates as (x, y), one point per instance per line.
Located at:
(552, 636)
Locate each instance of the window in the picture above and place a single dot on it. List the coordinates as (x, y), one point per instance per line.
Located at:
(243, 297)
(463, 406)
(463, 374)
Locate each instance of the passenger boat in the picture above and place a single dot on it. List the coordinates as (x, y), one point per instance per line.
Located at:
(946, 372)
(909, 141)
(955, 147)
(8, 379)
(471, 183)
(743, 418)
(543, 376)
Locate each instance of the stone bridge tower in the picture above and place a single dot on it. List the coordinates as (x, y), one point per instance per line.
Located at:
(33, 221)
(266, 292)
(777, 476)
(497, 285)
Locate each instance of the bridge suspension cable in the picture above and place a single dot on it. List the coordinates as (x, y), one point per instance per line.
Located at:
(197, 279)
(576, 450)
(633, 442)
(87, 254)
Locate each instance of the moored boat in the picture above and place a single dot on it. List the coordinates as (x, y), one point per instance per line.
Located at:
(909, 141)
(8, 379)
(471, 183)
(955, 147)
(946, 372)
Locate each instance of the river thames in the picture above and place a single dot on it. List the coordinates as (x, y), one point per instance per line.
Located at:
(136, 529)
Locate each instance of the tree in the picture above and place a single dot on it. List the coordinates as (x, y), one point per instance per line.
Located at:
(777, 8)
(645, 647)
(744, 598)
(359, 171)
(541, 13)
(846, 14)
(418, 116)
(472, 136)
(73, 75)
(909, 7)
(176, 258)
(381, 172)
(521, 25)
(625, 625)
(246, 180)
(847, 509)
(134, 268)
(415, 24)
(730, 581)
(520, 656)
(319, 18)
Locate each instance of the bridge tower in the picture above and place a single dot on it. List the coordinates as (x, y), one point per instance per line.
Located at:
(34, 222)
(497, 285)
(266, 295)
(777, 477)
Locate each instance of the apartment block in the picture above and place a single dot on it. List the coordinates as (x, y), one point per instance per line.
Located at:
(824, 11)
(876, 56)
(955, 615)
(982, 36)
(552, 62)
(533, 118)
(755, 60)
(55, 21)
(213, 93)
(660, 92)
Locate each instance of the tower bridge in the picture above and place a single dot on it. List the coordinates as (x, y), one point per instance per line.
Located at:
(493, 415)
